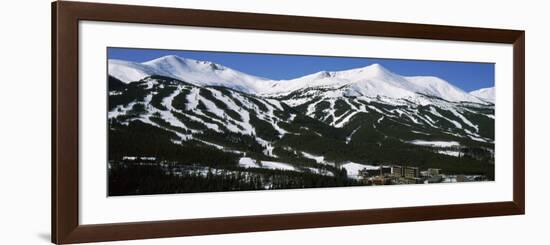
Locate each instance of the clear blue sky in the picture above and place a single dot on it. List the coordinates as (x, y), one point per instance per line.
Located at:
(466, 75)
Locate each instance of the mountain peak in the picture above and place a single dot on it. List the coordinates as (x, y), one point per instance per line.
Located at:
(171, 56)
(168, 58)
(374, 70)
(172, 59)
(486, 94)
(375, 66)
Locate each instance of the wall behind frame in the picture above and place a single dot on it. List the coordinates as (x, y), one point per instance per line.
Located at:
(25, 124)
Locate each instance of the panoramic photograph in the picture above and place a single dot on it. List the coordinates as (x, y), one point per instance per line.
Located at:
(205, 121)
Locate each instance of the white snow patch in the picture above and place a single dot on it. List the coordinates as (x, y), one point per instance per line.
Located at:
(192, 99)
(318, 159)
(353, 169)
(418, 132)
(291, 118)
(450, 153)
(277, 165)
(248, 162)
(434, 143)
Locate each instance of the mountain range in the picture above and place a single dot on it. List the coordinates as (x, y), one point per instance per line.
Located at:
(319, 123)
(371, 81)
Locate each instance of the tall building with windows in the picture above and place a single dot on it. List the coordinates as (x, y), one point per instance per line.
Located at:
(411, 172)
(406, 172)
(397, 171)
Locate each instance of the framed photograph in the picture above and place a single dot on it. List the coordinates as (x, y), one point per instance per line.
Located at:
(175, 122)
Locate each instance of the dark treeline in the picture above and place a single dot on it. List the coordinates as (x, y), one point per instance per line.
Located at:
(140, 139)
(154, 180)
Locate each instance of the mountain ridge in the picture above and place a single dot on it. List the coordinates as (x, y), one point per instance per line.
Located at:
(371, 81)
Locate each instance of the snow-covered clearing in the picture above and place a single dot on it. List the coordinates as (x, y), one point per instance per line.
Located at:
(450, 153)
(353, 169)
(277, 165)
(248, 162)
(434, 143)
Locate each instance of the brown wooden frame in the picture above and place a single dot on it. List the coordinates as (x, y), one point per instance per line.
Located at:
(65, 210)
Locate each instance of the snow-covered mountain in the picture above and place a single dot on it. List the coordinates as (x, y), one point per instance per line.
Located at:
(375, 80)
(193, 71)
(370, 81)
(213, 120)
(486, 94)
(227, 129)
(207, 122)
